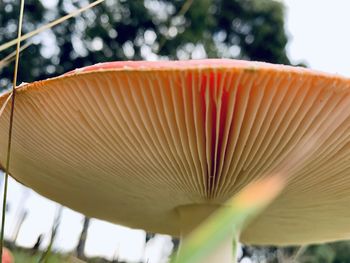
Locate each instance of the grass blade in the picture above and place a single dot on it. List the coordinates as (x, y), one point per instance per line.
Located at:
(45, 257)
(2, 108)
(239, 210)
(7, 167)
(11, 57)
(49, 25)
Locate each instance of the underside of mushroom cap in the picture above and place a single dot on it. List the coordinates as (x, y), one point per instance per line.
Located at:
(132, 142)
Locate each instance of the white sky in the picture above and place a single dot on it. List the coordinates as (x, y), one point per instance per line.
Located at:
(319, 33)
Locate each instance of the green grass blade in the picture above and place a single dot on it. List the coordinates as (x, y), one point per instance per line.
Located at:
(239, 210)
(8, 154)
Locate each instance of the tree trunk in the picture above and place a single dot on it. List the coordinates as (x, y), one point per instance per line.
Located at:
(82, 240)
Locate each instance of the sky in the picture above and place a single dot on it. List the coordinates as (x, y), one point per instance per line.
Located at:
(319, 36)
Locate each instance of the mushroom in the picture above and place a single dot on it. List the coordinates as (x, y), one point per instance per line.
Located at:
(161, 145)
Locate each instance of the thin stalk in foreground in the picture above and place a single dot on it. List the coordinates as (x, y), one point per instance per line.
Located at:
(12, 57)
(7, 167)
(49, 25)
(2, 107)
(215, 239)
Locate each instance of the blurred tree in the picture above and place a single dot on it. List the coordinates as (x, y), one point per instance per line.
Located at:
(80, 249)
(144, 29)
(337, 252)
(33, 63)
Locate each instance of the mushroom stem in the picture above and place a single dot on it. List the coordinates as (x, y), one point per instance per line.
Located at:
(191, 216)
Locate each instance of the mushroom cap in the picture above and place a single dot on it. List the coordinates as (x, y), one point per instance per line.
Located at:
(131, 142)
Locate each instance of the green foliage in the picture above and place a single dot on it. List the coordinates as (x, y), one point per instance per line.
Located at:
(337, 252)
(21, 256)
(144, 29)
